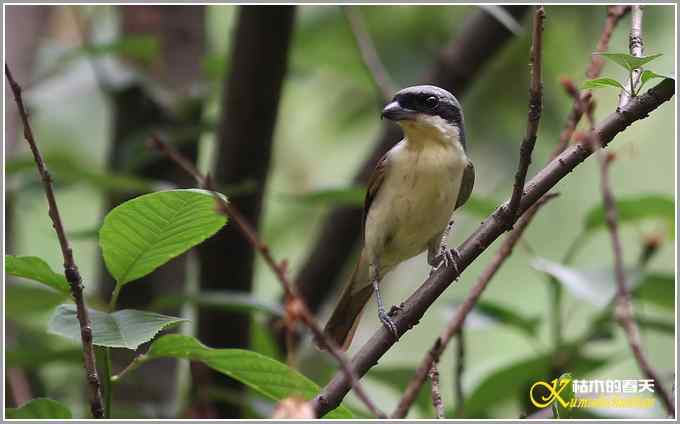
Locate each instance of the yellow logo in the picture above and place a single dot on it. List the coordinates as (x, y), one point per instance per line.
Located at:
(554, 390)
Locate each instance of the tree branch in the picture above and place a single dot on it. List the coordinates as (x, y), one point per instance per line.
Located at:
(624, 306)
(614, 15)
(457, 65)
(369, 54)
(534, 115)
(295, 306)
(636, 47)
(456, 323)
(459, 370)
(436, 392)
(70, 268)
(490, 229)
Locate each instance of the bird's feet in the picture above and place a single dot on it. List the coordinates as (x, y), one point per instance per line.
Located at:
(388, 323)
(445, 258)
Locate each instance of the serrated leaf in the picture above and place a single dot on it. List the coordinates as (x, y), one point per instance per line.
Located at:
(142, 234)
(261, 373)
(126, 328)
(397, 378)
(596, 286)
(648, 75)
(36, 269)
(39, 408)
(628, 61)
(601, 82)
(634, 209)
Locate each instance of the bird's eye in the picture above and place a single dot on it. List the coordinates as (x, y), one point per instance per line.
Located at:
(432, 102)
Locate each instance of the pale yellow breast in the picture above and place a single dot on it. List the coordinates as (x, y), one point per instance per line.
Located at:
(415, 202)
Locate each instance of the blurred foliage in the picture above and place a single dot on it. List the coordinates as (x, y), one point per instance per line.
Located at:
(327, 122)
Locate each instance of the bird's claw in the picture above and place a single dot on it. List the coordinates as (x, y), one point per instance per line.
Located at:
(445, 258)
(389, 324)
(394, 309)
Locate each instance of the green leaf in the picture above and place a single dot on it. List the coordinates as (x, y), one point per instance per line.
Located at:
(139, 47)
(601, 82)
(26, 301)
(36, 269)
(634, 209)
(648, 75)
(658, 289)
(125, 328)
(514, 380)
(261, 373)
(226, 300)
(39, 408)
(508, 316)
(656, 325)
(142, 234)
(628, 61)
(596, 286)
(397, 378)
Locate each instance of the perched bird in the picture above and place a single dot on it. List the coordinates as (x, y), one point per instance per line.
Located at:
(410, 200)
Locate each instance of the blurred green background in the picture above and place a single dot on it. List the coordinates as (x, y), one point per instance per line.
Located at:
(328, 119)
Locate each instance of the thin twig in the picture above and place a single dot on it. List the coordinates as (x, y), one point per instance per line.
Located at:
(533, 117)
(636, 47)
(614, 15)
(624, 307)
(456, 323)
(70, 269)
(436, 392)
(369, 54)
(415, 306)
(458, 371)
(295, 307)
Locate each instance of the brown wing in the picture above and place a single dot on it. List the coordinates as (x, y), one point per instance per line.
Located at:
(374, 184)
(466, 184)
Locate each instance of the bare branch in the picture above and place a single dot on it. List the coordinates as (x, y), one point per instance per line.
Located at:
(614, 15)
(436, 392)
(459, 370)
(491, 228)
(623, 310)
(456, 67)
(295, 306)
(636, 47)
(369, 54)
(534, 115)
(70, 269)
(456, 323)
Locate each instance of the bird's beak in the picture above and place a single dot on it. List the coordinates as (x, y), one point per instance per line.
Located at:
(394, 112)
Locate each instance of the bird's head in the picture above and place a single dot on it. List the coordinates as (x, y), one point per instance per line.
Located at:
(426, 111)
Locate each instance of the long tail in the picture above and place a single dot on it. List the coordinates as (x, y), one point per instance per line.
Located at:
(345, 317)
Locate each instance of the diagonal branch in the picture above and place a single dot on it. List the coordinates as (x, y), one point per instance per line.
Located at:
(70, 268)
(457, 66)
(369, 54)
(624, 306)
(490, 229)
(455, 325)
(436, 391)
(533, 117)
(295, 306)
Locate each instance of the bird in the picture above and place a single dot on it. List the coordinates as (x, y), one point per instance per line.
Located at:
(409, 202)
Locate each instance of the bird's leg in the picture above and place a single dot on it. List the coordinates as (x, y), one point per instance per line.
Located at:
(382, 315)
(446, 256)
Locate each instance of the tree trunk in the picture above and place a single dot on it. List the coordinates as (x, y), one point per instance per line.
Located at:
(259, 56)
